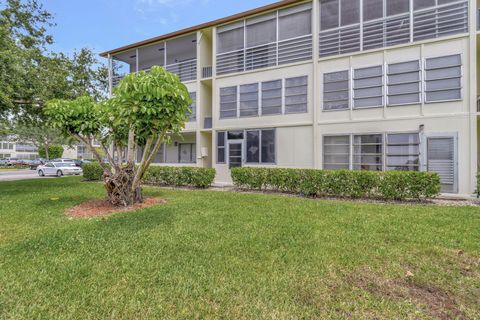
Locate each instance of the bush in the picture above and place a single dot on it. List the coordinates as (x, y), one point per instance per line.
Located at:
(396, 185)
(54, 151)
(180, 176)
(92, 171)
(162, 176)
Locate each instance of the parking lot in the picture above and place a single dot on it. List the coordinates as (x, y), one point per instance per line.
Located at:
(20, 174)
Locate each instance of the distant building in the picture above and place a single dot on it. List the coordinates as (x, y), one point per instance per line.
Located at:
(22, 151)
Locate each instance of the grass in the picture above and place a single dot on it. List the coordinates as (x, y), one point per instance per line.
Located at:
(209, 254)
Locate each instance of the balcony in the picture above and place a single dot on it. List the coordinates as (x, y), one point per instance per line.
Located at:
(177, 56)
(403, 27)
(272, 39)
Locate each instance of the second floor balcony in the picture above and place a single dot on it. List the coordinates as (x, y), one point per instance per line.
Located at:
(178, 56)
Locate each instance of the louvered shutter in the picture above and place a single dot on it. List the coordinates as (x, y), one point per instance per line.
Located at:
(441, 159)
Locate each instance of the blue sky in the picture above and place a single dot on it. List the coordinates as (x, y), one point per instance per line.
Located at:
(107, 24)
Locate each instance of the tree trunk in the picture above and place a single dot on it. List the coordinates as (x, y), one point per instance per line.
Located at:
(119, 188)
(46, 152)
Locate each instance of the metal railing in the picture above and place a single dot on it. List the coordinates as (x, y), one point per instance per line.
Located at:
(265, 55)
(440, 21)
(408, 27)
(186, 71)
(207, 123)
(207, 72)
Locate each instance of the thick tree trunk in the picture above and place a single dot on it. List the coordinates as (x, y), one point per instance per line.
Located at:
(119, 188)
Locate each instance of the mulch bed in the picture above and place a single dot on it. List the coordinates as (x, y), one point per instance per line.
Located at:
(101, 208)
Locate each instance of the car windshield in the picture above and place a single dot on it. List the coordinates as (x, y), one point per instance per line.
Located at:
(63, 164)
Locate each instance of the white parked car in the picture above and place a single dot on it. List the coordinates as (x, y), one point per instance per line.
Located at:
(63, 160)
(59, 169)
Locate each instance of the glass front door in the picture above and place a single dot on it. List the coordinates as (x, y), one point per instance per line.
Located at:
(235, 155)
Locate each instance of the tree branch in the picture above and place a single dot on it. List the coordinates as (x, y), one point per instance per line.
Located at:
(131, 147)
(88, 143)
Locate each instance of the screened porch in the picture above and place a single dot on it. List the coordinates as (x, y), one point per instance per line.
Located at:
(178, 56)
(276, 38)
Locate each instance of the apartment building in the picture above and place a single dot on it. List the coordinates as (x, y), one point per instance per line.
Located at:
(327, 84)
(21, 151)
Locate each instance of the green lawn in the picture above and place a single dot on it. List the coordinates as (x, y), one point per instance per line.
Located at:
(209, 254)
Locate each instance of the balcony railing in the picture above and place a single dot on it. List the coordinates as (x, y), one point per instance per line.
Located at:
(393, 30)
(207, 72)
(265, 55)
(440, 21)
(186, 71)
(207, 123)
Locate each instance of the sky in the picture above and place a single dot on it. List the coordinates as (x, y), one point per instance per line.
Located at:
(102, 25)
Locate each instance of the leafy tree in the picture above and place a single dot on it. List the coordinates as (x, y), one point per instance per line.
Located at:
(145, 110)
(30, 75)
(51, 152)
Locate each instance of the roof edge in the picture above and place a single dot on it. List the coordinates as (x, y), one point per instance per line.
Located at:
(209, 24)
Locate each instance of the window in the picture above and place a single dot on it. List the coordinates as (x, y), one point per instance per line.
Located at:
(397, 7)
(261, 30)
(295, 34)
(271, 101)
(386, 23)
(368, 152)
(335, 13)
(230, 37)
(336, 152)
(403, 151)
(329, 14)
(276, 38)
(228, 102)
(272, 97)
(403, 83)
(260, 146)
(6, 146)
(159, 157)
(336, 90)
(193, 106)
(368, 87)
(25, 148)
(443, 77)
(253, 146)
(187, 153)
(372, 9)
(296, 94)
(295, 22)
(221, 147)
(249, 100)
(235, 135)
(261, 42)
(268, 146)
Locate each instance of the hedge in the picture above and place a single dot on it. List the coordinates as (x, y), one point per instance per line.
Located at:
(179, 176)
(394, 185)
(162, 176)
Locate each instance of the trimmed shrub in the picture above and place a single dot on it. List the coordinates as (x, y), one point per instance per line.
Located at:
(92, 171)
(179, 176)
(162, 176)
(396, 185)
(399, 185)
(54, 151)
